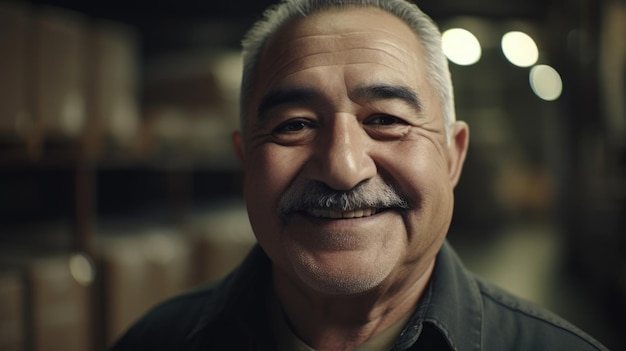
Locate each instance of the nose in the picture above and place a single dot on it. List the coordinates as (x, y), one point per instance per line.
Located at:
(342, 155)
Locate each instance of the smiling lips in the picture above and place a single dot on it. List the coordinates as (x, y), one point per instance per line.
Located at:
(337, 214)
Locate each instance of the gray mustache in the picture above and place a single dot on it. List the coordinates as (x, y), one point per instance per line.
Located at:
(374, 193)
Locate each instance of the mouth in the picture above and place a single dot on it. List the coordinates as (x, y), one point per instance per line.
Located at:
(339, 214)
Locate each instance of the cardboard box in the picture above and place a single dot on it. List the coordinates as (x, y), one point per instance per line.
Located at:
(112, 61)
(58, 67)
(221, 238)
(15, 118)
(58, 298)
(140, 269)
(12, 311)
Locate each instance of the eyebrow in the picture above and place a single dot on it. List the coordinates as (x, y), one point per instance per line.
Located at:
(296, 95)
(284, 96)
(389, 92)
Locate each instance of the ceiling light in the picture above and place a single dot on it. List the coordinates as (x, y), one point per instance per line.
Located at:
(546, 82)
(461, 46)
(520, 49)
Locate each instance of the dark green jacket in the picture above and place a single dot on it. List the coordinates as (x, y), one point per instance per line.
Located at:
(457, 312)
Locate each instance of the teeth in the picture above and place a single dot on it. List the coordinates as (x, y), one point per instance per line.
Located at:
(336, 214)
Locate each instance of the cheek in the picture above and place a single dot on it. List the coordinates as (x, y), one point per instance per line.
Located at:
(422, 174)
(268, 172)
(419, 168)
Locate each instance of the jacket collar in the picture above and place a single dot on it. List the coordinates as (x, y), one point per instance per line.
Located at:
(237, 314)
(451, 305)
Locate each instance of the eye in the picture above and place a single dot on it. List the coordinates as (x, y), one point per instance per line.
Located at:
(384, 120)
(386, 127)
(292, 126)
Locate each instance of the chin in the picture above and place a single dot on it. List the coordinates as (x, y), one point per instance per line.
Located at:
(341, 273)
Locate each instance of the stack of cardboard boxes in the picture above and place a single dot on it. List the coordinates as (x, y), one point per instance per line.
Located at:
(65, 81)
(55, 298)
(68, 94)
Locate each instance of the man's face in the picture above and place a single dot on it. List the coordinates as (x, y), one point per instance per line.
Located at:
(343, 103)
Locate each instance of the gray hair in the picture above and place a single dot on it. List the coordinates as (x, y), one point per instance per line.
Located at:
(422, 25)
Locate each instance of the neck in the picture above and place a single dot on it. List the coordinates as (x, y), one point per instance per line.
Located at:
(346, 321)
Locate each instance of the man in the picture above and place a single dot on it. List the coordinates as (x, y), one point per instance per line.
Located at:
(351, 151)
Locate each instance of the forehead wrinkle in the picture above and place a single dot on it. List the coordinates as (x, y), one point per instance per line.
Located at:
(308, 45)
(356, 32)
(352, 37)
(298, 47)
(296, 71)
(331, 59)
(337, 55)
(281, 70)
(399, 30)
(342, 43)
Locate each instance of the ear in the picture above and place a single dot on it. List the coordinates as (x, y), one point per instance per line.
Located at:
(457, 150)
(238, 146)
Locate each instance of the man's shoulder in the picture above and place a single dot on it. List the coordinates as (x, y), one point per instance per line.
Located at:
(188, 307)
(510, 320)
(207, 316)
(172, 322)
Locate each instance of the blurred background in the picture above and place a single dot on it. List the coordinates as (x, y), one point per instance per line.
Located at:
(119, 188)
